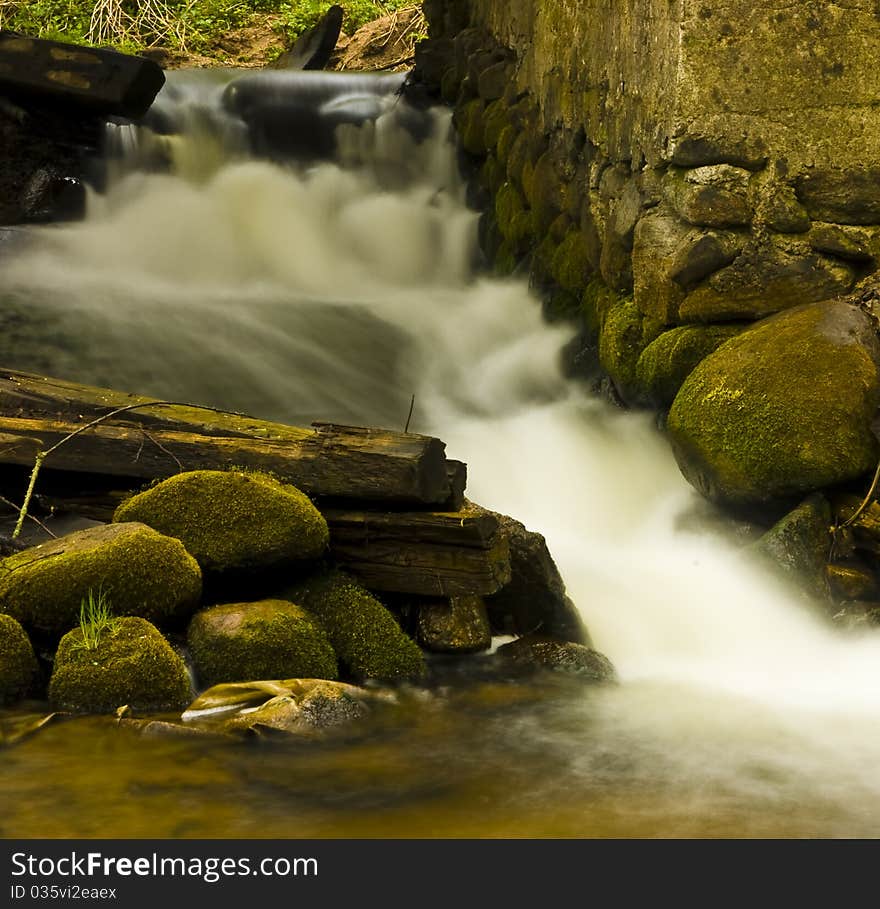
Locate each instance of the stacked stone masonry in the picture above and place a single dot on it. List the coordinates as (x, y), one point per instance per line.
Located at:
(656, 164)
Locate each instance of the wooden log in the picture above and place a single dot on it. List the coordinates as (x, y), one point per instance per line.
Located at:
(327, 460)
(95, 79)
(428, 553)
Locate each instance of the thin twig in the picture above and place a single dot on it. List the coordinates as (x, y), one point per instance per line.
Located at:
(161, 447)
(412, 404)
(865, 501)
(6, 501)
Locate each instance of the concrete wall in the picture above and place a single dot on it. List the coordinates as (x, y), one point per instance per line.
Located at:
(701, 162)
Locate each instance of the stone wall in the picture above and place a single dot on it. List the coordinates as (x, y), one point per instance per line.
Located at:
(667, 170)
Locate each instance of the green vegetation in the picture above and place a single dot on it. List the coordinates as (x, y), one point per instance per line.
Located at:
(178, 25)
(18, 664)
(132, 665)
(95, 617)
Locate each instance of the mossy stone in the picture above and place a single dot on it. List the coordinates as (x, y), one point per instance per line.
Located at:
(669, 359)
(232, 520)
(534, 653)
(570, 265)
(141, 571)
(454, 625)
(364, 634)
(621, 342)
(131, 664)
(18, 663)
(783, 408)
(512, 218)
(504, 145)
(470, 122)
(597, 300)
(269, 639)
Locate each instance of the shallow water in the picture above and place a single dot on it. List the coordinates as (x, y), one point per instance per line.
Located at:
(338, 293)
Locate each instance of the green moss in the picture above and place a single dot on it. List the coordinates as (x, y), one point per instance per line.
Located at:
(142, 572)
(504, 145)
(364, 634)
(570, 265)
(621, 342)
(518, 160)
(512, 217)
(231, 520)
(542, 192)
(668, 360)
(18, 664)
(495, 119)
(132, 664)
(506, 261)
(269, 639)
(492, 175)
(469, 120)
(783, 408)
(596, 302)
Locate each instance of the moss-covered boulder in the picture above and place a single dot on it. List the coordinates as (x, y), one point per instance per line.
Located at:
(364, 634)
(18, 663)
(130, 663)
(232, 520)
(668, 360)
(621, 342)
(269, 639)
(782, 409)
(140, 571)
(534, 653)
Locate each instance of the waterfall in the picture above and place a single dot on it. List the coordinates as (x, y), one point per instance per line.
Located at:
(336, 290)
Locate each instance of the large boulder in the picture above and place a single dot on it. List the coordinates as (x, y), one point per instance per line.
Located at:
(231, 520)
(783, 409)
(18, 663)
(140, 571)
(270, 639)
(127, 662)
(364, 634)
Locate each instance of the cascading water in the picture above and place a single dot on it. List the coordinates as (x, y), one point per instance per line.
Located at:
(338, 290)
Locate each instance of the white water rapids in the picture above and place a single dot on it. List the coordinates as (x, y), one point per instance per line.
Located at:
(337, 294)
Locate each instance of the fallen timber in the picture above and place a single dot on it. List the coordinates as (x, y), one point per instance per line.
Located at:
(157, 441)
(393, 503)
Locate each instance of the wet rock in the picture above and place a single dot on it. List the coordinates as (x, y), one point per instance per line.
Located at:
(268, 639)
(493, 81)
(232, 521)
(784, 408)
(315, 46)
(858, 615)
(702, 253)
(470, 123)
(52, 196)
(534, 653)
(712, 196)
(570, 264)
(535, 600)
(657, 240)
(141, 571)
(365, 635)
(798, 545)
(852, 582)
(669, 359)
(130, 664)
(767, 278)
(844, 196)
(495, 119)
(18, 663)
(454, 625)
(621, 342)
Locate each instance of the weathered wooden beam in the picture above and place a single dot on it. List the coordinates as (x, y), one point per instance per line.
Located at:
(99, 80)
(327, 460)
(427, 553)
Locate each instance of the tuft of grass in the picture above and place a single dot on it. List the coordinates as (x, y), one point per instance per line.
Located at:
(95, 617)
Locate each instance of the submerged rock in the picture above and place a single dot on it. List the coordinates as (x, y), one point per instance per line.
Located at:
(129, 664)
(268, 639)
(782, 409)
(364, 634)
(232, 521)
(141, 572)
(535, 652)
(18, 663)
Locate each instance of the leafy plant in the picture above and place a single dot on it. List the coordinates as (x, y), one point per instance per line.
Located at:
(95, 618)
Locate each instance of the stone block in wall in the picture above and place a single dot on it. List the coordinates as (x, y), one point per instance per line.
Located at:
(716, 195)
(694, 150)
(779, 209)
(701, 253)
(842, 195)
(858, 244)
(495, 79)
(765, 278)
(656, 241)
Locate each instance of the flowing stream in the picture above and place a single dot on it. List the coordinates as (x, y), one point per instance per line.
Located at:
(336, 290)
